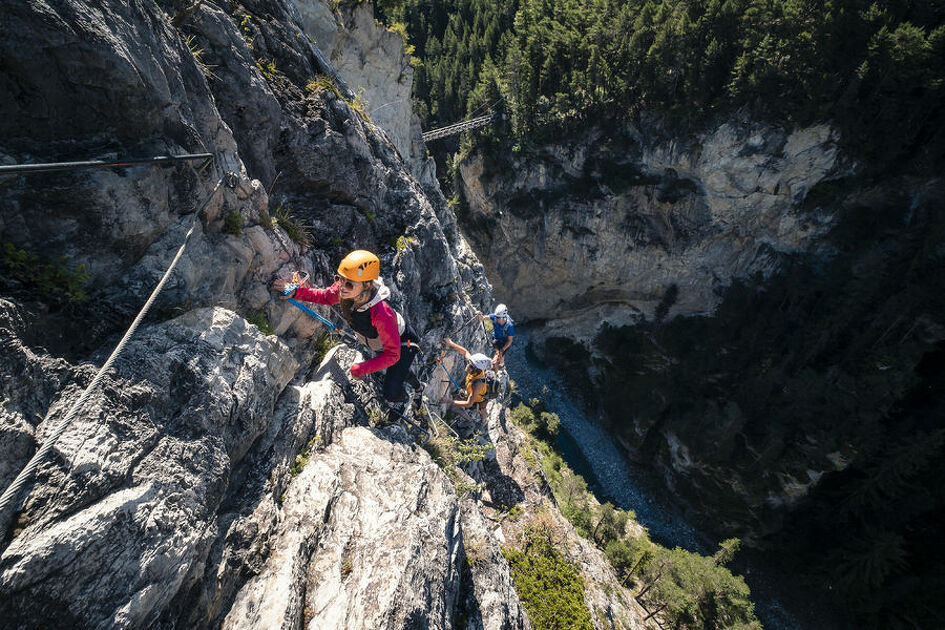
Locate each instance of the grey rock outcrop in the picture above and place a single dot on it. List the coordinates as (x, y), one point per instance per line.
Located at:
(117, 519)
(492, 594)
(371, 60)
(369, 538)
(597, 231)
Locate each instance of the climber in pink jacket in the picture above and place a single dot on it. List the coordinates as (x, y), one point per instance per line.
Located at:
(361, 296)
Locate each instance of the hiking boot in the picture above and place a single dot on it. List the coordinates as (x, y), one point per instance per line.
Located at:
(397, 410)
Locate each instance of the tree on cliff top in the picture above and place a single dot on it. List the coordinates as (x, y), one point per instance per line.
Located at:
(875, 69)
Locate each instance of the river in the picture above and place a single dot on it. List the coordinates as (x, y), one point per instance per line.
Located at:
(593, 454)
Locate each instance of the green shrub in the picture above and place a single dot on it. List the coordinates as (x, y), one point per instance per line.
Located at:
(523, 416)
(550, 587)
(322, 346)
(533, 419)
(297, 231)
(324, 82)
(259, 320)
(197, 52)
(609, 524)
(694, 591)
(476, 551)
(233, 223)
(49, 278)
(302, 459)
(629, 556)
(267, 68)
(401, 29)
(402, 242)
(549, 423)
(247, 30)
(464, 488)
(452, 451)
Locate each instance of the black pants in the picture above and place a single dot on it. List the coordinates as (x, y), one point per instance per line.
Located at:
(398, 374)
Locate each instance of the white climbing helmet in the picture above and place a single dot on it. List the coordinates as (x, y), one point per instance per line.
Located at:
(481, 361)
(501, 311)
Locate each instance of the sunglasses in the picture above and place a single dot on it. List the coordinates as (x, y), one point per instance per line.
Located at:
(345, 283)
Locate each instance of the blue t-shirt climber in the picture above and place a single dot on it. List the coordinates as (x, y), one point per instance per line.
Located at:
(503, 333)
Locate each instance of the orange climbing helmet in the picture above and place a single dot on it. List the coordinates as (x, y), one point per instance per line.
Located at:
(360, 266)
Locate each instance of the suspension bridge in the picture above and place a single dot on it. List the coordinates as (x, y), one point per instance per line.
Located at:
(460, 127)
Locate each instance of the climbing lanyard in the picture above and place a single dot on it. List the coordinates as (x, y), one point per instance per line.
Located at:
(440, 363)
(297, 281)
(348, 337)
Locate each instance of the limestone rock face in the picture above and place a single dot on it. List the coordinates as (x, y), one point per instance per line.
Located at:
(119, 516)
(371, 60)
(369, 538)
(492, 596)
(599, 229)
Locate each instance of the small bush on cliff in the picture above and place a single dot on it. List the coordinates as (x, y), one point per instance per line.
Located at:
(550, 587)
(401, 29)
(197, 53)
(47, 278)
(324, 82)
(233, 223)
(267, 68)
(451, 453)
(534, 419)
(260, 321)
(322, 346)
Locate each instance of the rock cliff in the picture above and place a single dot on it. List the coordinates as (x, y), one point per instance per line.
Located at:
(222, 476)
(803, 324)
(371, 60)
(598, 229)
(617, 229)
